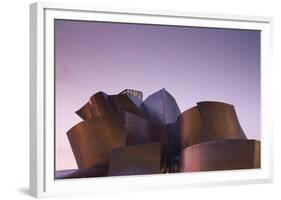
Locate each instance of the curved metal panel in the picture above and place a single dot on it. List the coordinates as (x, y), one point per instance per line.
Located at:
(93, 140)
(220, 120)
(221, 155)
(191, 128)
(97, 106)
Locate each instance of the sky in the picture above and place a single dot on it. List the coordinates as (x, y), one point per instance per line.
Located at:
(193, 64)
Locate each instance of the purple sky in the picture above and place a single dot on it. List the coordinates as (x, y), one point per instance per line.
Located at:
(193, 64)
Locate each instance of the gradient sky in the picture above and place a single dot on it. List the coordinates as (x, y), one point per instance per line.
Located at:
(193, 64)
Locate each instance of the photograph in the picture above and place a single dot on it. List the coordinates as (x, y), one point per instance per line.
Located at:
(141, 99)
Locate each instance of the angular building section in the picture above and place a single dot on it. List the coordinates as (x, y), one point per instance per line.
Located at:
(86, 112)
(98, 105)
(123, 135)
(132, 104)
(162, 107)
(163, 110)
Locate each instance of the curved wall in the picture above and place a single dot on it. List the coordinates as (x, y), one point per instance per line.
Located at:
(101, 104)
(191, 128)
(220, 120)
(209, 121)
(97, 106)
(93, 140)
(221, 155)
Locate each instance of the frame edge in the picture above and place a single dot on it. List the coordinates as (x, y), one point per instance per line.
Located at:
(36, 181)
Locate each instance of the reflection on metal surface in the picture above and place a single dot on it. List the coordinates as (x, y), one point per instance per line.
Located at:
(162, 107)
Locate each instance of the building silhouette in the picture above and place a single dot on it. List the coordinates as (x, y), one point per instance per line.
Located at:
(124, 135)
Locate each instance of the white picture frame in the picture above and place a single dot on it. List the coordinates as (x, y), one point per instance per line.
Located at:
(42, 182)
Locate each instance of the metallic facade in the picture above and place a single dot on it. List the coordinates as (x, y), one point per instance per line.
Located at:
(209, 121)
(124, 135)
(93, 140)
(221, 155)
(136, 160)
